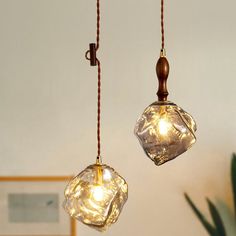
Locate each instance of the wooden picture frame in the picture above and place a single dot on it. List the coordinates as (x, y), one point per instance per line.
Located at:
(13, 187)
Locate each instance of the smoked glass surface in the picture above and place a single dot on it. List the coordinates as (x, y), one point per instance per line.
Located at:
(165, 131)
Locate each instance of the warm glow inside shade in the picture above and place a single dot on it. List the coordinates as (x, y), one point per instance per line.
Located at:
(96, 196)
(165, 131)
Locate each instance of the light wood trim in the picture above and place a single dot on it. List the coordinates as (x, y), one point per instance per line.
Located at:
(35, 178)
(73, 227)
(42, 179)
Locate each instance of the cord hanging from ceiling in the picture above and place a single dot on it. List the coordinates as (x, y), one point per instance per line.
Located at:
(96, 62)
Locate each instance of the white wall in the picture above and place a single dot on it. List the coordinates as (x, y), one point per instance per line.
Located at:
(48, 100)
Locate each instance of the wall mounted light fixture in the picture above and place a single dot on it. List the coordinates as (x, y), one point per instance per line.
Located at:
(97, 195)
(164, 130)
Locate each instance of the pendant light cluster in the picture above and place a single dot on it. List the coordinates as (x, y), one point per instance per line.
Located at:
(97, 195)
(164, 130)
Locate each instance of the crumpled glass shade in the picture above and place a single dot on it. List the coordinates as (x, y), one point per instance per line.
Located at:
(165, 131)
(96, 196)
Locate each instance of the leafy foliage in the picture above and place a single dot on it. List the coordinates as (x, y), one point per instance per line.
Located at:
(233, 178)
(217, 227)
(210, 228)
(216, 219)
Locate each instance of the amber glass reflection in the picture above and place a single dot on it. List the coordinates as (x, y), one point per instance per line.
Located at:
(96, 196)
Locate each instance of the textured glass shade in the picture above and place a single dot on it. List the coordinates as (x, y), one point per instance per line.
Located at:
(96, 196)
(165, 131)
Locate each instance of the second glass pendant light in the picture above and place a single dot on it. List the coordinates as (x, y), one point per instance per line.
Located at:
(96, 195)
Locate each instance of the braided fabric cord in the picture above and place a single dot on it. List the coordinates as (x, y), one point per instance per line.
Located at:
(99, 84)
(162, 25)
(99, 111)
(98, 63)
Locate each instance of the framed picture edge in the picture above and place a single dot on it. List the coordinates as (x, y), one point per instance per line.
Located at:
(43, 179)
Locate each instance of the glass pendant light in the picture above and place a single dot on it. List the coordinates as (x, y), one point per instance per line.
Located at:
(164, 130)
(96, 195)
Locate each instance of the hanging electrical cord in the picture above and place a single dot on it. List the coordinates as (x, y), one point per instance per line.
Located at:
(94, 61)
(162, 26)
(98, 86)
(100, 192)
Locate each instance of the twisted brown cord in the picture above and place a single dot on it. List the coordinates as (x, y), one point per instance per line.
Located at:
(162, 25)
(98, 25)
(99, 111)
(99, 84)
(98, 63)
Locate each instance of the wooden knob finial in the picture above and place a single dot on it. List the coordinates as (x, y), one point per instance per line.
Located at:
(162, 70)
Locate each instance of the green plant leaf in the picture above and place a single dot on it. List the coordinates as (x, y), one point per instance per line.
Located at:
(233, 178)
(216, 218)
(210, 229)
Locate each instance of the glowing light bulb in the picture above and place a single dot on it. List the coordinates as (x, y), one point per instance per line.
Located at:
(163, 126)
(98, 193)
